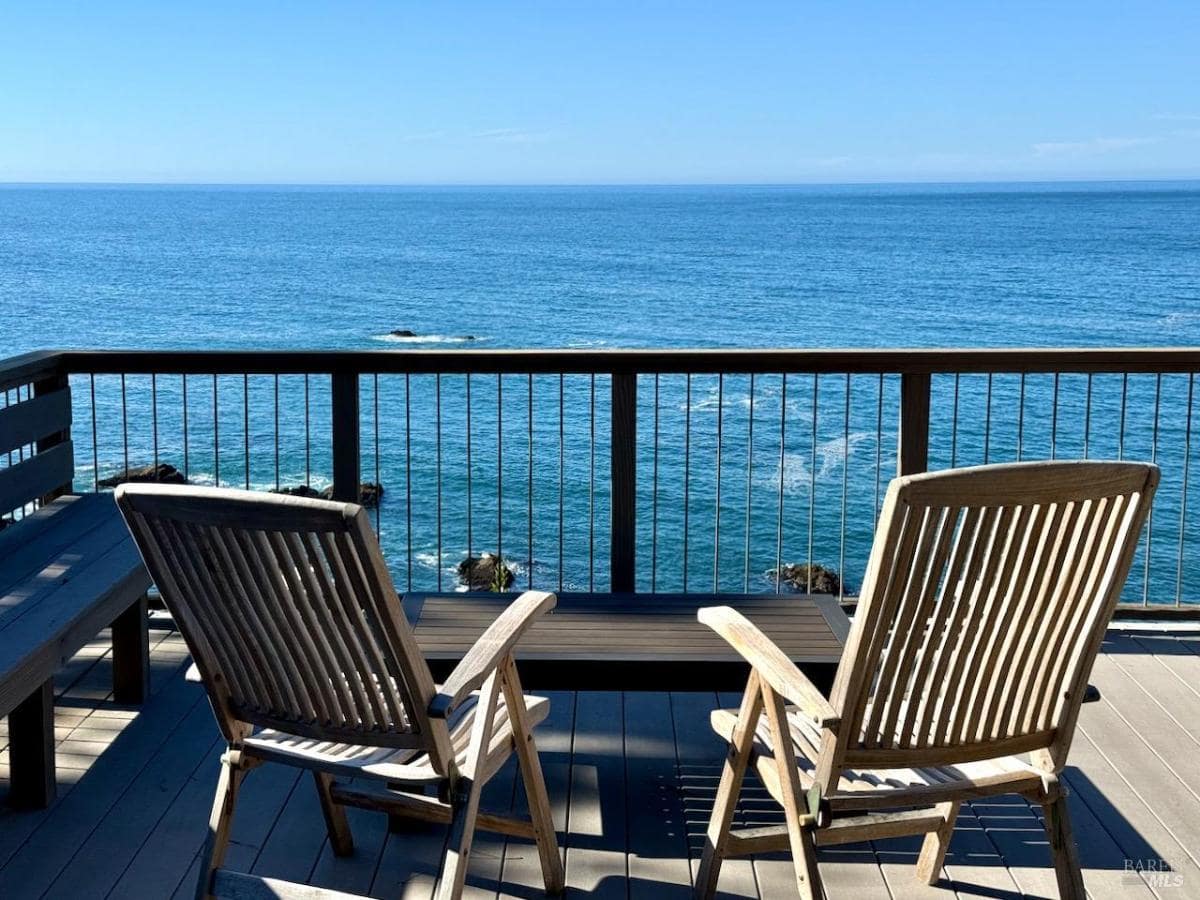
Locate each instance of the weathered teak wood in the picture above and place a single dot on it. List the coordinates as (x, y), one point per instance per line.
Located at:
(632, 642)
(298, 636)
(66, 571)
(987, 595)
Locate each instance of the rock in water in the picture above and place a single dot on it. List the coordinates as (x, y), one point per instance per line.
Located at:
(402, 332)
(369, 493)
(163, 473)
(485, 573)
(796, 576)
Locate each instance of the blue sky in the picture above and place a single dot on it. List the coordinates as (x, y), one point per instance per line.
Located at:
(587, 92)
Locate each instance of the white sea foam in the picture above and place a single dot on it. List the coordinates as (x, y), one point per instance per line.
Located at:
(797, 467)
(428, 339)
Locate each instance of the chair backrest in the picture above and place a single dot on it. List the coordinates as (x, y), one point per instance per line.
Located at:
(288, 609)
(986, 599)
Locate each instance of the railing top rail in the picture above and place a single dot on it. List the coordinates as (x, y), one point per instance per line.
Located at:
(28, 367)
(925, 360)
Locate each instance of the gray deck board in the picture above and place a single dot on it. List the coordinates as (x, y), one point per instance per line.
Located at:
(631, 778)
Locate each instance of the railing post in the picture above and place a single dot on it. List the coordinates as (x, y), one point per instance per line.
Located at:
(623, 529)
(48, 384)
(913, 455)
(345, 423)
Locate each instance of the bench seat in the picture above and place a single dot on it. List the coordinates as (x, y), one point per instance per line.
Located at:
(67, 571)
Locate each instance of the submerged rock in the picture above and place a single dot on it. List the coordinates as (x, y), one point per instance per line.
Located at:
(4, 523)
(369, 493)
(796, 576)
(163, 473)
(485, 573)
(402, 332)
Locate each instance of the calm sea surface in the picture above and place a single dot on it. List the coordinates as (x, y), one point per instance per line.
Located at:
(1037, 265)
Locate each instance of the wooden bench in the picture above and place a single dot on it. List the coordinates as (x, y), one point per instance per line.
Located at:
(632, 641)
(67, 570)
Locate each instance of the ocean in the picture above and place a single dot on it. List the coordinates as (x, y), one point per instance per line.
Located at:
(606, 267)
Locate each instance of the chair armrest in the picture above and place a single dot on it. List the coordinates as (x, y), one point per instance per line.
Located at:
(771, 664)
(490, 650)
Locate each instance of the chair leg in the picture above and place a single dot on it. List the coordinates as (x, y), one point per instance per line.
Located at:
(1062, 848)
(220, 821)
(534, 781)
(933, 851)
(736, 760)
(340, 837)
(804, 858)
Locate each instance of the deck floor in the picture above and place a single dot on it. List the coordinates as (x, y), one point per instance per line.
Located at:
(631, 777)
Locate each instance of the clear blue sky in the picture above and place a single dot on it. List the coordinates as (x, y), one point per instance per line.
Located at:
(581, 92)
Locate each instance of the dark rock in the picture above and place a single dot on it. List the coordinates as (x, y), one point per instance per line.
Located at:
(300, 490)
(4, 523)
(402, 332)
(369, 493)
(796, 576)
(163, 473)
(485, 573)
(468, 337)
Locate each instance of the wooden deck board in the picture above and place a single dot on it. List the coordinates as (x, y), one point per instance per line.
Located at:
(631, 778)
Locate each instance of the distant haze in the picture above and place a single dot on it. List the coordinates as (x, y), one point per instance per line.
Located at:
(566, 93)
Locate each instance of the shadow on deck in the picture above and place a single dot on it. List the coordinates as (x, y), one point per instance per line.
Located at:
(631, 777)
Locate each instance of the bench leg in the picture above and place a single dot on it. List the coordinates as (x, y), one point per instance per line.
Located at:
(31, 750)
(131, 653)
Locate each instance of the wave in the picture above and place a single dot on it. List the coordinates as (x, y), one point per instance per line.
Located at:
(1178, 319)
(428, 338)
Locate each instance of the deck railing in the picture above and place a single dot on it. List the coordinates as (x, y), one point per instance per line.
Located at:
(692, 470)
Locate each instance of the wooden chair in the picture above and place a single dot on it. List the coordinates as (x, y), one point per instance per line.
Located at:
(289, 612)
(985, 602)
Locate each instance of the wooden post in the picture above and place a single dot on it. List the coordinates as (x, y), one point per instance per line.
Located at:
(344, 396)
(46, 385)
(913, 455)
(31, 750)
(623, 530)
(131, 653)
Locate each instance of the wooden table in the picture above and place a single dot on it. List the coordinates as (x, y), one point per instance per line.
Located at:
(633, 641)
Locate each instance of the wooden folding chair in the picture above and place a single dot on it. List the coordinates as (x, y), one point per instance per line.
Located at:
(289, 612)
(985, 602)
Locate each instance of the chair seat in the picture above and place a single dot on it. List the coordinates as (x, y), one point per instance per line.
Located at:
(1002, 775)
(387, 763)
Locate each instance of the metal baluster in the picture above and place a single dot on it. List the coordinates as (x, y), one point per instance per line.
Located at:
(654, 500)
(95, 443)
(1054, 421)
(749, 485)
(529, 490)
(1187, 458)
(879, 443)
(500, 468)
(308, 437)
(276, 417)
(1087, 417)
(185, 423)
(246, 424)
(470, 529)
(216, 436)
(408, 473)
(592, 495)
(845, 488)
(812, 482)
(438, 458)
(782, 460)
(1121, 430)
(1150, 516)
(378, 482)
(124, 423)
(717, 512)
(987, 422)
(562, 473)
(1021, 419)
(154, 417)
(687, 473)
(953, 436)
